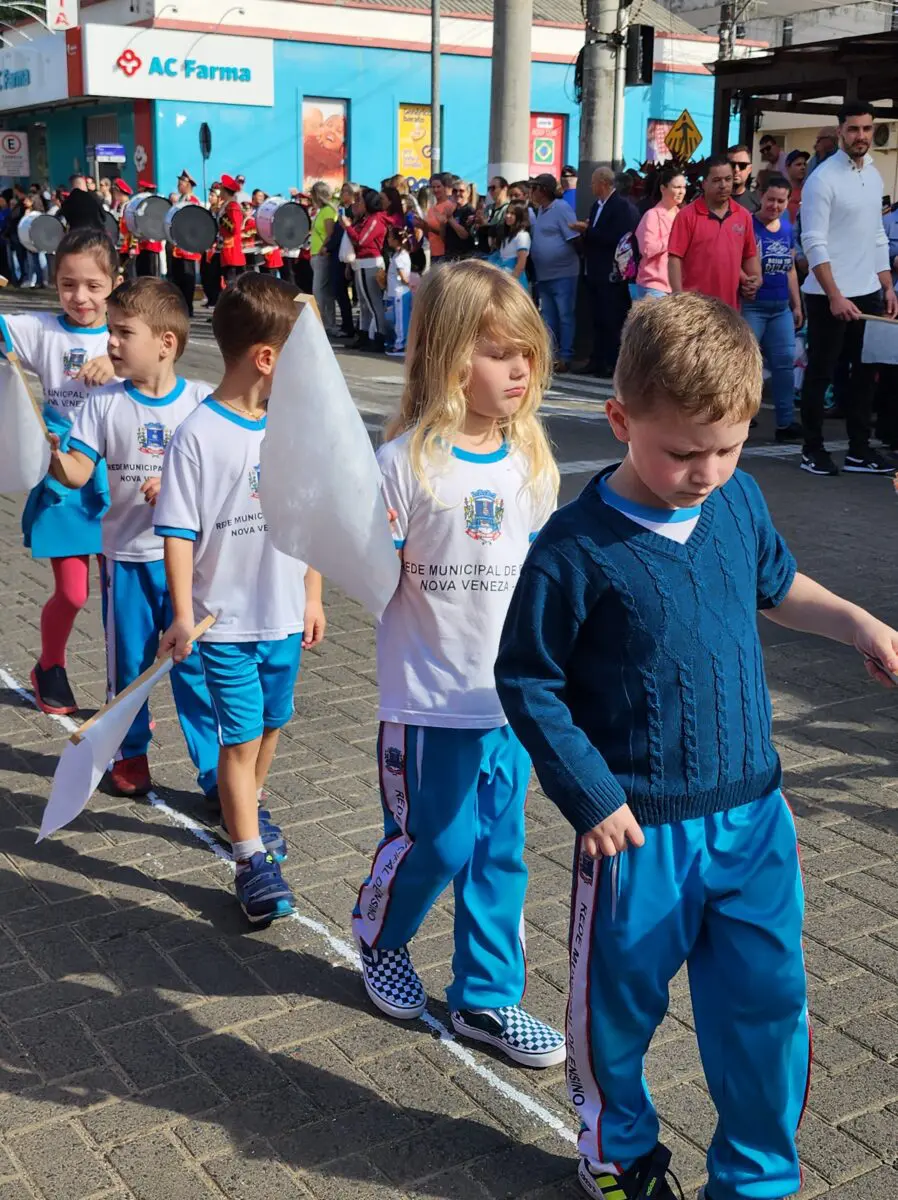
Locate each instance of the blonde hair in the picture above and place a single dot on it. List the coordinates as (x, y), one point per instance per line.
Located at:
(454, 308)
(693, 352)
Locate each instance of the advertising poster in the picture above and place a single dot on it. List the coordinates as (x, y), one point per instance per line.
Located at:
(414, 142)
(656, 150)
(546, 144)
(324, 124)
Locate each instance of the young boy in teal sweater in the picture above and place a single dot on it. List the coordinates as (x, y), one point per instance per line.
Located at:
(631, 670)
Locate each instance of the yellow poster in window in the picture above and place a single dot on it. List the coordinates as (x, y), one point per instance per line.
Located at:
(414, 142)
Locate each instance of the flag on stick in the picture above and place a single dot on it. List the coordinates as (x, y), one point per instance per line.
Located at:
(320, 484)
(92, 747)
(24, 444)
(880, 340)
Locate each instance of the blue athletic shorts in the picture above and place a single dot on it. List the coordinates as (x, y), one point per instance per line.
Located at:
(251, 685)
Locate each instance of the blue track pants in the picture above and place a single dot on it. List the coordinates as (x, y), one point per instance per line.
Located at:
(136, 612)
(453, 804)
(723, 894)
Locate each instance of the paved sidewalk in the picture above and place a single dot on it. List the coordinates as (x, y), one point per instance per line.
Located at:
(150, 1047)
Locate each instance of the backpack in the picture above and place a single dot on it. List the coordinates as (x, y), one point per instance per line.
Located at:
(627, 257)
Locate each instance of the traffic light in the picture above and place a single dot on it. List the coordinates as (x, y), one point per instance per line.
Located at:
(640, 55)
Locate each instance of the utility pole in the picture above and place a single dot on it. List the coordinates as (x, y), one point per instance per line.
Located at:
(726, 30)
(436, 132)
(597, 104)
(510, 91)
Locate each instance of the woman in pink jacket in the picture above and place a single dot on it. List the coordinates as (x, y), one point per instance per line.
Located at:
(653, 235)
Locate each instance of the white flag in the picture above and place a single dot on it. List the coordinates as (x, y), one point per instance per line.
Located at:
(320, 484)
(86, 757)
(24, 452)
(880, 342)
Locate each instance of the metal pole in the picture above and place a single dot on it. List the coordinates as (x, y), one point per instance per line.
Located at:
(620, 75)
(436, 132)
(510, 91)
(725, 31)
(597, 107)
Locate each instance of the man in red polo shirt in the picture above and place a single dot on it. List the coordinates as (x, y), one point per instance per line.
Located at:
(712, 244)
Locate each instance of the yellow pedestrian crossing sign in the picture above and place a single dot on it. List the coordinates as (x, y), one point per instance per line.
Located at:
(683, 138)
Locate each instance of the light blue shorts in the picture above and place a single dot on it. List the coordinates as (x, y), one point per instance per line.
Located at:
(251, 685)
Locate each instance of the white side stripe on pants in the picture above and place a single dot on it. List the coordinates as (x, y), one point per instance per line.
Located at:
(583, 1086)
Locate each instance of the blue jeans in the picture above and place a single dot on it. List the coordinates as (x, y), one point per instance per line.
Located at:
(639, 292)
(556, 301)
(772, 324)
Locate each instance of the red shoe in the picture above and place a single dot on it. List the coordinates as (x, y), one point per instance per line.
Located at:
(131, 776)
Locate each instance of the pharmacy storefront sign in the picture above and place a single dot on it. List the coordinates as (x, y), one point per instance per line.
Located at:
(167, 65)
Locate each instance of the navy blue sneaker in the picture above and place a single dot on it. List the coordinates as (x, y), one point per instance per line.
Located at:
(272, 838)
(262, 891)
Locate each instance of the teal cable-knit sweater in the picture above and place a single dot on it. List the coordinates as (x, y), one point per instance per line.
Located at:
(630, 666)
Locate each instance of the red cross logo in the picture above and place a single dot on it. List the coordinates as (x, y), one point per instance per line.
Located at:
(129, 62)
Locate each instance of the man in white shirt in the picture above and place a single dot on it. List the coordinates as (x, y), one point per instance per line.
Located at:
(848, 255)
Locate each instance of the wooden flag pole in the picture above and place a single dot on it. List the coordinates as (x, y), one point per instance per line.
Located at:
(303, 298)
(874, 317)
(16, 363)
(78, 736)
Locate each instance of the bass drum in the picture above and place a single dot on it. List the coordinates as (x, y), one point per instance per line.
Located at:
(191, 228)
(110, 227)
(283, 223)
(40, 233)
(144, 216)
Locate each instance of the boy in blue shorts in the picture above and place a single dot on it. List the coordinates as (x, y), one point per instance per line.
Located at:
(220, 560)
(631, 670)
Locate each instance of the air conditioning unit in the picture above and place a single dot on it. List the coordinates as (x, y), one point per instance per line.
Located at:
(885, 136)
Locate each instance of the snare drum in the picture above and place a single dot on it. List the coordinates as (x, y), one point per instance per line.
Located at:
(191, 228)
(144, 216)
(282, 223)
(40, 233)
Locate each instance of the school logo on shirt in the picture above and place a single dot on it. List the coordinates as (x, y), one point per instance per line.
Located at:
(394, 760)
(153, 438)
(73, 360)
(255, 474)
(483, 516)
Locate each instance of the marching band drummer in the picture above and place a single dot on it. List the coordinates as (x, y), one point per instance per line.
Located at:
(149, 253)
(182, 263)
(121, 194)
(230, 226)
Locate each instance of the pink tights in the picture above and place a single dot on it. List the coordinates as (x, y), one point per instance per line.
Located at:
(72, 577)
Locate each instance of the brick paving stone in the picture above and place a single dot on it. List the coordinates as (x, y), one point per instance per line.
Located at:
(154, 1169)
(61, 1164)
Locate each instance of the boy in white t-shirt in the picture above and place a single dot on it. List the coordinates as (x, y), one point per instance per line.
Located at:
(221, 561)
(130, 425)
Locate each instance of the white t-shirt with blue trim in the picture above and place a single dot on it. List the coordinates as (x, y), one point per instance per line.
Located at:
(676, 524)
(132, 432)
(55, 351)
(210, 495)
(463, 542)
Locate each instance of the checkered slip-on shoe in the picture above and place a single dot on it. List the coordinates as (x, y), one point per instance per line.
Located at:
(392, 982)
(514, 1032)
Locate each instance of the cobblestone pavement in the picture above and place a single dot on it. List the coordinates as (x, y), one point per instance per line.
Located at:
(150, 1047)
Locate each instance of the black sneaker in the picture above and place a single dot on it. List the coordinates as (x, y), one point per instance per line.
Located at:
(818, 462)
(870, 462)
(52, 692)
(789, 433)
(645, 1180)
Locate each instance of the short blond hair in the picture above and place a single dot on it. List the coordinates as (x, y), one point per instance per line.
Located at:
(693, 352)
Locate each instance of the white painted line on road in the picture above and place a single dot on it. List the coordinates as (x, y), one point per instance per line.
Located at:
(586, 466)
(338, 945)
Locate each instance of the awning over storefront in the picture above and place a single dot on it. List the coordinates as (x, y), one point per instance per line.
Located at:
(812, 78)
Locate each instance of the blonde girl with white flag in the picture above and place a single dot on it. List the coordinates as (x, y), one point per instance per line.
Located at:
(469, 479)
(67, 352)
